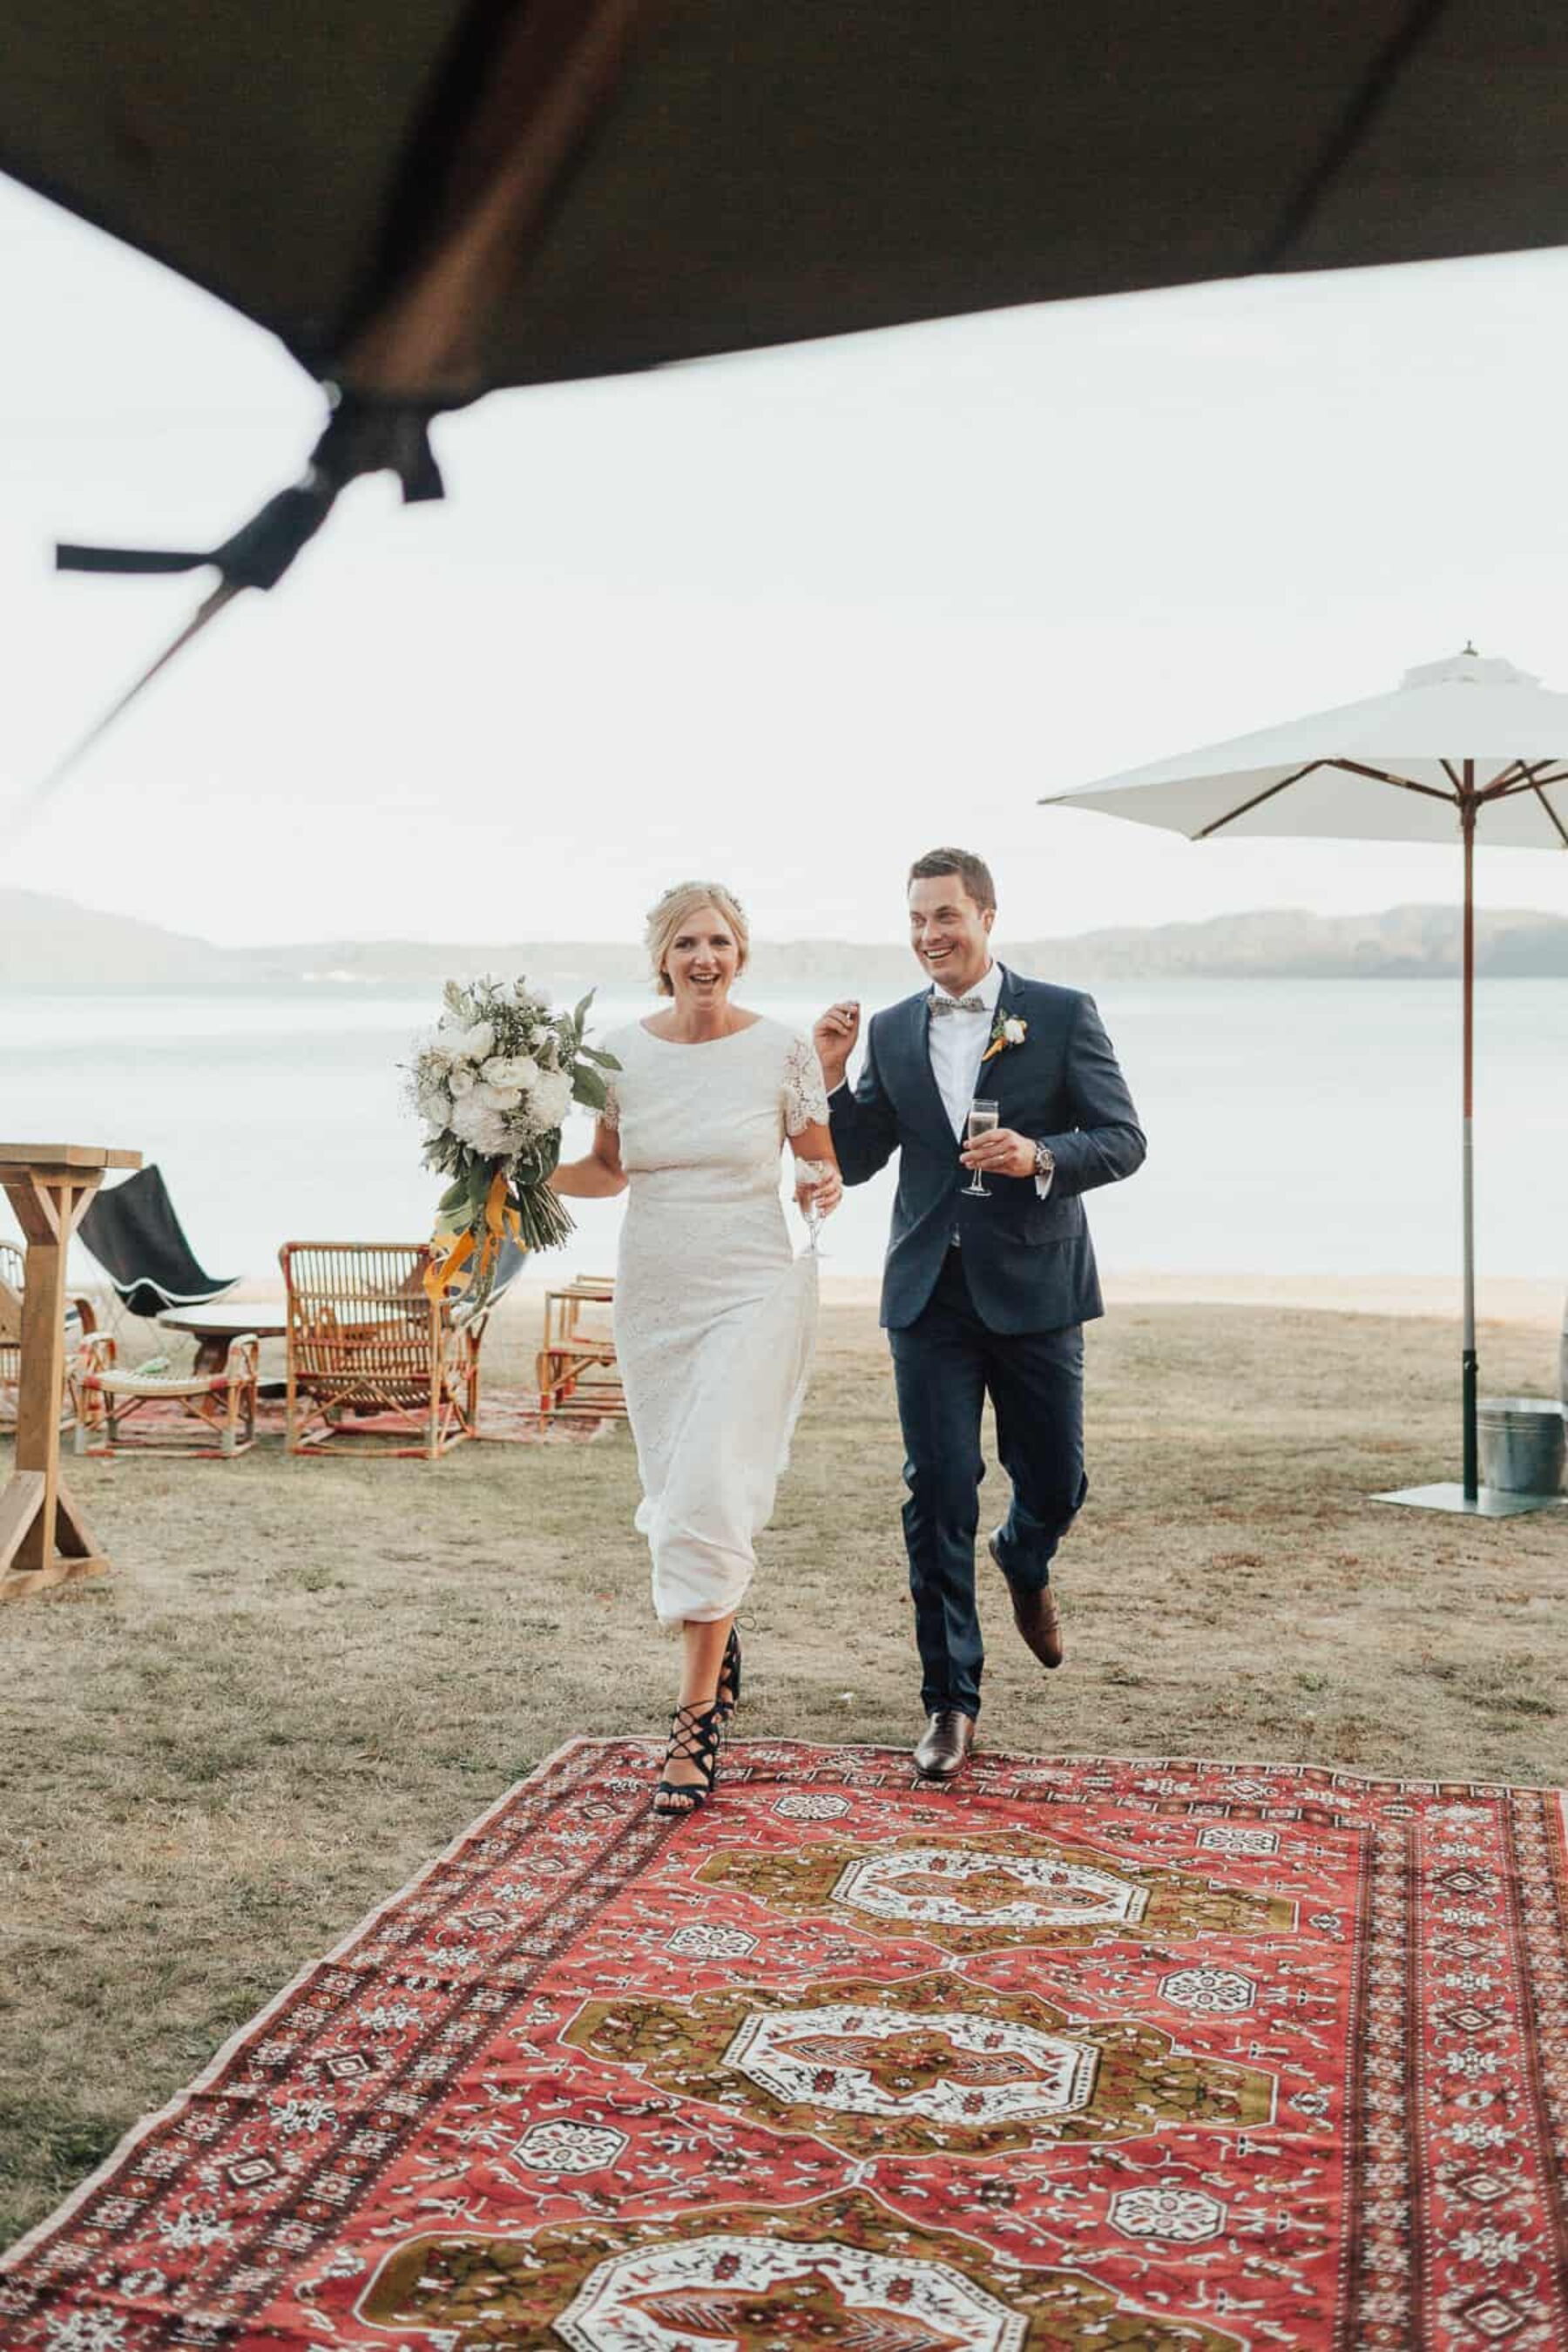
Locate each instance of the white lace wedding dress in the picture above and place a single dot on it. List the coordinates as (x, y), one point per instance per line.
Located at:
(715, 1315)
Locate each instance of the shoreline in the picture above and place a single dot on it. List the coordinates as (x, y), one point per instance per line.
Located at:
(1519, 1299)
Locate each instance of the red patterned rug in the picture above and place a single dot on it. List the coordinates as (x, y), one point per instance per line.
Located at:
(1085, 2054)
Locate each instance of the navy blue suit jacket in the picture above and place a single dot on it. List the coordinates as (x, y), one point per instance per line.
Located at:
(1029, 1263)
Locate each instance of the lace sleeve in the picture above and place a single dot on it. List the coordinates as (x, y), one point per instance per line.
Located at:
(610, 1116)
(804, 1094)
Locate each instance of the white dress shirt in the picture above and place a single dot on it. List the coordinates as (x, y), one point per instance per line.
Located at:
(957, 1042)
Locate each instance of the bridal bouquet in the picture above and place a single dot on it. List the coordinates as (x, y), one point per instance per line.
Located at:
(493, 1082)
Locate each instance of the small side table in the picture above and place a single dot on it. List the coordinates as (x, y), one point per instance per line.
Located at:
(577, 1371)
(44, 1539)
(214, 1327)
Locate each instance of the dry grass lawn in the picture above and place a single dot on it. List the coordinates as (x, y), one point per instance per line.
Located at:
(303, 1677)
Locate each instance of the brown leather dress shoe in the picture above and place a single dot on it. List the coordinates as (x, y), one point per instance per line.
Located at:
(942, 1752)
(1036, 1616)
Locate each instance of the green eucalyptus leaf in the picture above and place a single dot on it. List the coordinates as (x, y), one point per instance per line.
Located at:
(589, 1087)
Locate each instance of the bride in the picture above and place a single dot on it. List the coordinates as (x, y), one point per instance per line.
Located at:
(714, 1314)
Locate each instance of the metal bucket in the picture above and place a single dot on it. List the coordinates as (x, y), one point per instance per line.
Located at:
(1522, 1441)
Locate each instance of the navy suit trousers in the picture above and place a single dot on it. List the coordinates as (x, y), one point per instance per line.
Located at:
(945, 1364)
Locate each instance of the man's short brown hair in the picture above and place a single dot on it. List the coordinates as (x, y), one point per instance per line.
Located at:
(971, 871)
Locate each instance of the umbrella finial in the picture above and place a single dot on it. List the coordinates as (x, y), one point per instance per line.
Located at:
(1470, 645)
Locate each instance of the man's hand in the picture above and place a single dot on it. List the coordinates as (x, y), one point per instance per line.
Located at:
(1003, 1152)
(835, 1038)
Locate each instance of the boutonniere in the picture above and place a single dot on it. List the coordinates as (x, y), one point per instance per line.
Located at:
(1005, 1030)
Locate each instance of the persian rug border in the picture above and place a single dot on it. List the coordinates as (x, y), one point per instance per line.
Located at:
(146, 2125)
(835, 1768)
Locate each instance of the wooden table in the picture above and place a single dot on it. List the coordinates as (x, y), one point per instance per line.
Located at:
(44, 1539)
(577, 1371)
(214, 1327)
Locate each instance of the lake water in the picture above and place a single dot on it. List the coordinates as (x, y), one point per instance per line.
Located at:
(1295, 1127)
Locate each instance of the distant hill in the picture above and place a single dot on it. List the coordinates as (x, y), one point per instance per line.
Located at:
(52, 942)
(53, 939)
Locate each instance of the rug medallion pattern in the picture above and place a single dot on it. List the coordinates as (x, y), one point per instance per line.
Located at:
(1081, 2056)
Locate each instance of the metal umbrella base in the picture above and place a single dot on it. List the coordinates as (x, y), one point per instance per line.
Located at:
(1487, 1503)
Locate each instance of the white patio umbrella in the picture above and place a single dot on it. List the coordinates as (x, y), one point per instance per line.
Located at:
(1460, 739)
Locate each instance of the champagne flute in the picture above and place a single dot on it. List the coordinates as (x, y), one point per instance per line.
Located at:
(810, 1176)
(984, 1114)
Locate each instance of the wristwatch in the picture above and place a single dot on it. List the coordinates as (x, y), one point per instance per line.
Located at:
(1045, 1162)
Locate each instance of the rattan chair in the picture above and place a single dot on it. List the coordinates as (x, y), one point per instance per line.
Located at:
(217, 1410)
(366, 1345)
(80, 1320)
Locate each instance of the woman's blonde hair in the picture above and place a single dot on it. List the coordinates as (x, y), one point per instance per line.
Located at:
(679, 904)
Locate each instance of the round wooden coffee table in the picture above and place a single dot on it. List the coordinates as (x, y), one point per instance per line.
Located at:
(214, 1327)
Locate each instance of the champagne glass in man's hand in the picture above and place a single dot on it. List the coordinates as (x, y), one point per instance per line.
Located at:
(835, 1038)
(983, 1116)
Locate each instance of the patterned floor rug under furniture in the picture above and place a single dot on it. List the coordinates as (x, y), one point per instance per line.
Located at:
(1179, 2056)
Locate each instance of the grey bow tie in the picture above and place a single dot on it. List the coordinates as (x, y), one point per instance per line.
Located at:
(940, 1005)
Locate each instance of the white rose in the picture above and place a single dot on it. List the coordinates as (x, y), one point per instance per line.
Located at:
(511, 1070)
(551, 1097)
(461, 1081)
(482, 1127)
(497, 1098)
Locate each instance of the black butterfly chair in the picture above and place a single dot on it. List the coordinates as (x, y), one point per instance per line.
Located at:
(138, 1240)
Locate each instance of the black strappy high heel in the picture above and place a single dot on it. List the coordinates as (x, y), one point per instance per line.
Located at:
(695, 1733)
(727, 1697)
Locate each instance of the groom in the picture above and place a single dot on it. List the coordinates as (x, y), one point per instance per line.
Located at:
(982, 1296)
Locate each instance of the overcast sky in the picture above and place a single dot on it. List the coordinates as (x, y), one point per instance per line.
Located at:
(788, 618)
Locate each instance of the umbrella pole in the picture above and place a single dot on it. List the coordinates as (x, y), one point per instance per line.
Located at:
(1468, 821)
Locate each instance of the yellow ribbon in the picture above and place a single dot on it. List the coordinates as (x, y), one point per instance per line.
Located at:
(445, 1271)
(449, 1268)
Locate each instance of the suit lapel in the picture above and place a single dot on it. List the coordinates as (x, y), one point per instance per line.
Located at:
(925, 1101)
(994, 1074)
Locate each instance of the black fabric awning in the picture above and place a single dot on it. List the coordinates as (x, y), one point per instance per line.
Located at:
(601, 184)
(430, 202)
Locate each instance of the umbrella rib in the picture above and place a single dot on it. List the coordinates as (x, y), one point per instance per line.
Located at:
(209, 610)
(1350, 766)
(1546, 805)
(1257, 800)
(1506, 783)
(1382, 776)
(1512, 778)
